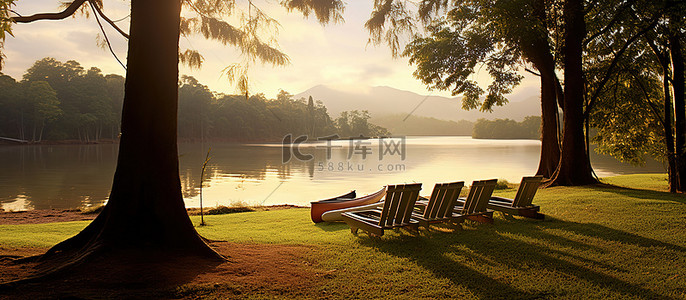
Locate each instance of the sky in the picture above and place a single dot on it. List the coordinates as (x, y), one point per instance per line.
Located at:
(336, 55)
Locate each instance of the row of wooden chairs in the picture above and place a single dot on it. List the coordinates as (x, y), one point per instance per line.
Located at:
(403, 207)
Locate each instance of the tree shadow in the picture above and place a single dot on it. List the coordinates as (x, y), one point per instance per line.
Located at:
(433, 254)
(606, 233)
(520, 247)
(638, 193)
(127, 274)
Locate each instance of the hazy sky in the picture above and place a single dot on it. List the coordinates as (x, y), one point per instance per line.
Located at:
(335, 55)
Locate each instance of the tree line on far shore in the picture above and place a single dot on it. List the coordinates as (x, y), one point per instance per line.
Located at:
(65, 101)
(61, 101)
(529, 128)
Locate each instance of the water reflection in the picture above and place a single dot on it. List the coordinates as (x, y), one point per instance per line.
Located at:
(69, 176)
(65, 176)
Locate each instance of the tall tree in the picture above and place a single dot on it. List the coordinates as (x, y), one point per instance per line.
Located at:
(146, 185)
(503, 35)
(534, 28)
(575, 165)
(665, 42)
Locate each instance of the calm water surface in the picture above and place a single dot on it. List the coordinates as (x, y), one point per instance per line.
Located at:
(72, 176)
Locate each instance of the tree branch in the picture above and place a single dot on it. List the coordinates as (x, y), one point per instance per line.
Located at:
(614, 63)
(647, 97)
(108, 20)
(532, 72)
(609, 25)
(70, 10)
(106, 39)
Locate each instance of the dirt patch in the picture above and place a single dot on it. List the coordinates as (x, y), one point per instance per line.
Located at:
(40, 216)
(251, 269)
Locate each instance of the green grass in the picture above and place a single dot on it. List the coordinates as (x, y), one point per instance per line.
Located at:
(596, 242)
(656, 182)
(38, 235)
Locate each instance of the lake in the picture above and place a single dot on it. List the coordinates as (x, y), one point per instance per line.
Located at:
(73, 176)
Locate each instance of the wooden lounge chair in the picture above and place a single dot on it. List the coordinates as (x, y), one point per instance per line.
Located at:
(439, 207)
(474, 206)
(396, 211)
(521, 204)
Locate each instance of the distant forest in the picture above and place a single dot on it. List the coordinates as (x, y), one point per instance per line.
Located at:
(529, 128)
(64, 101)
(418, 125)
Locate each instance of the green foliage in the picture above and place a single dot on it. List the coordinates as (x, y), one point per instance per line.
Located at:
(529, 128)
(5, 26)
(63, 100)
(253, 32)
(356, 123)
(628, 120)
(447, 59)
(502, 184)
(222, 210)
(202, 114)
(68, 102)
(628, 112)
(324, 11)
(463, 37)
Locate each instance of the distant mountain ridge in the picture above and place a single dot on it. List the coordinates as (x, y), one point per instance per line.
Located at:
(381, 101)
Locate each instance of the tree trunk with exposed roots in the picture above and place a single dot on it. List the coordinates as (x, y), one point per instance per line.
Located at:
(575, 165)
(145, 210)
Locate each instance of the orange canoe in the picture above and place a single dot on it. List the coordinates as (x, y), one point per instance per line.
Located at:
(322, 206)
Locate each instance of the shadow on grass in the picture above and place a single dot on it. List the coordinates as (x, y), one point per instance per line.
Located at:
(638, 193)
(489, 260)
(330, 226)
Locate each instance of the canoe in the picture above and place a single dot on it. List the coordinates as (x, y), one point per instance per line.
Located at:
(316, 215)
(334, 214)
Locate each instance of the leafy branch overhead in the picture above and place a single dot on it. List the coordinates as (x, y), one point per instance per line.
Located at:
(255, 37)
(457, 41)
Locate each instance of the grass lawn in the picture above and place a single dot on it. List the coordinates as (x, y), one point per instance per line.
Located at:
(622, 241)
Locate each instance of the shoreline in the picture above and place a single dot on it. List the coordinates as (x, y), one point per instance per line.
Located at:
(116, 141)
(42, 216)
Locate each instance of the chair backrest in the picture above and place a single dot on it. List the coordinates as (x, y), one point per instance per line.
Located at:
(479, 194)
(399, 204)
(527, 190)
(443, 199)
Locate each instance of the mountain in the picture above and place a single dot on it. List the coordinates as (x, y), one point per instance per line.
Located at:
(381, 101)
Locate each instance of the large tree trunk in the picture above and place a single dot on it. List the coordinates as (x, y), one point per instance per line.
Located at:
(679, 107)
(550, 140)
(575, 166)
(536, 49)
(145, 209)
(669, 133)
